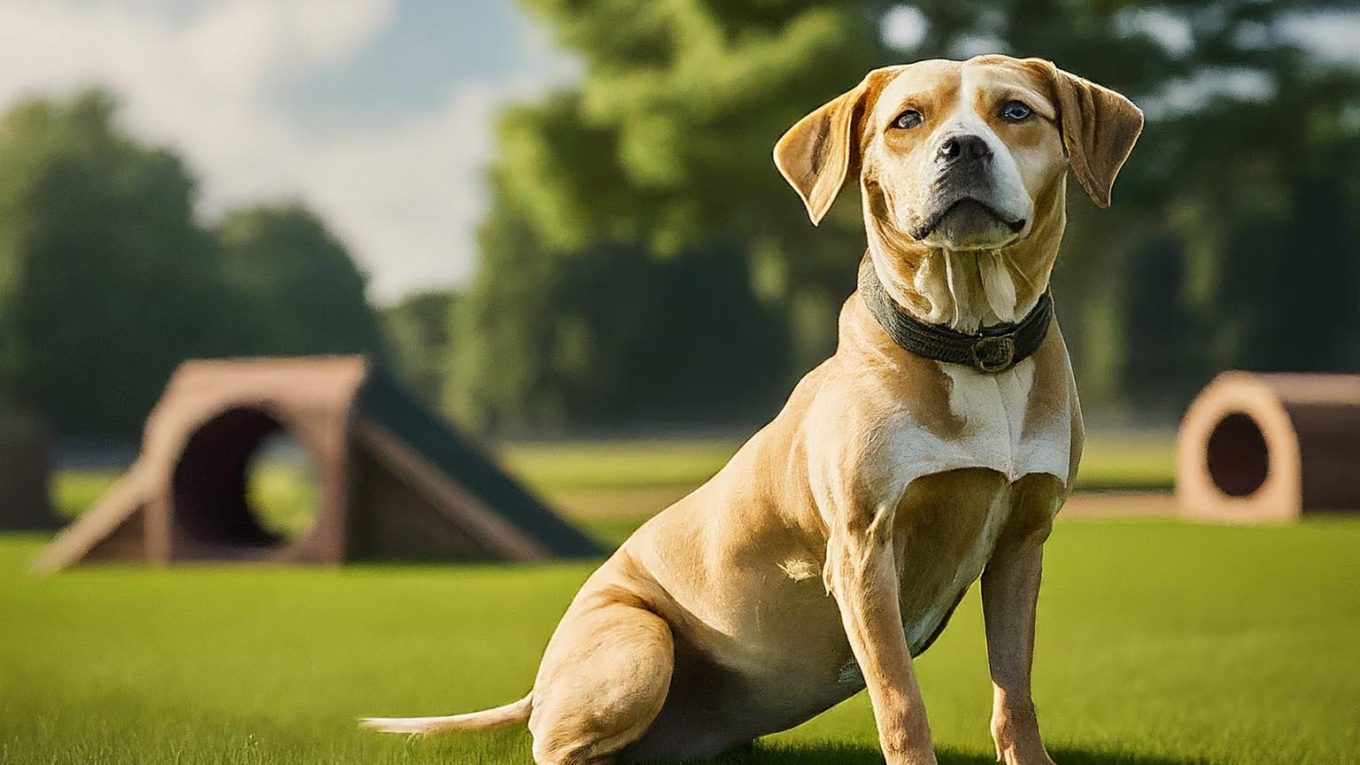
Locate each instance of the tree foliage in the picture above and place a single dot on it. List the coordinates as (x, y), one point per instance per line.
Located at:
(1229, 230)
(107, 281)
(300, 291)
(609, 337)
(419, 331)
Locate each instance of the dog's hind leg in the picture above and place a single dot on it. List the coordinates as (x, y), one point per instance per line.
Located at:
(602, 682)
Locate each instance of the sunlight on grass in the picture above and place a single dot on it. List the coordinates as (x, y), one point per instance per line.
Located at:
(609, 486)
(1124, 460)
(281, 493)
(1159, 643)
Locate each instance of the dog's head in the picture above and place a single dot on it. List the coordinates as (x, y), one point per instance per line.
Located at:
(961, 156)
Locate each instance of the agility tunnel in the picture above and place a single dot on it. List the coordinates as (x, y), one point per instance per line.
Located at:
(1268, 448)
(393, 480)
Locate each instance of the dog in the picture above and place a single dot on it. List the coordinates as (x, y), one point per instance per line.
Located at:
(932, 449)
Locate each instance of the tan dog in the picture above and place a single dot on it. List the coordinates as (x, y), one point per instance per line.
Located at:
(833, 547)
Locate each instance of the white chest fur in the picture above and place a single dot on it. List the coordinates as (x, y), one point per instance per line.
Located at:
(1000, 430)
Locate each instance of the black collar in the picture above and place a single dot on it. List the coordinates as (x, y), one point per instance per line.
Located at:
(991, 350)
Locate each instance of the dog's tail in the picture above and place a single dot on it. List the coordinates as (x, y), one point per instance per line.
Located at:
(487, 719)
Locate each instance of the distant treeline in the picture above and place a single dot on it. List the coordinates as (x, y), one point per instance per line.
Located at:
(643, 264)
(642, 258)
(107, 281)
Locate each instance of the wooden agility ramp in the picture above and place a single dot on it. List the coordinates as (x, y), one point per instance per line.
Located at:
(394, 481)
(1268, 448)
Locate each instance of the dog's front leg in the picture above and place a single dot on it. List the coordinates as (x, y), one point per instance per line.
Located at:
(861, 573)
(1010, 592)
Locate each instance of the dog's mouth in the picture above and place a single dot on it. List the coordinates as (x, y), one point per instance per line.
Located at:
(966, 218)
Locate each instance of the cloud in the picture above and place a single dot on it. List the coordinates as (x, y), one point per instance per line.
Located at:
(413, 191)
(207, 78)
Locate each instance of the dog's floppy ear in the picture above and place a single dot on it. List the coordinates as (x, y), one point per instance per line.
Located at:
(816, 154)
(1099, 127)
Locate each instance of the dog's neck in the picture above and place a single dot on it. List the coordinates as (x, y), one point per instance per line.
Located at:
(967, 290)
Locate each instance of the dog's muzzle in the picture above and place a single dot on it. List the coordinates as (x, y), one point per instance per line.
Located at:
(964, 206)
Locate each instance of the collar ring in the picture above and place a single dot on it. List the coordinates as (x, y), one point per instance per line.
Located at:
(993, 354)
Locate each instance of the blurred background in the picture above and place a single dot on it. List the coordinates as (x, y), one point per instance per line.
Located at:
(561, 218)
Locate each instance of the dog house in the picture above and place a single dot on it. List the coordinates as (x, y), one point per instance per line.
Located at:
(393, 480)
(1266, 448)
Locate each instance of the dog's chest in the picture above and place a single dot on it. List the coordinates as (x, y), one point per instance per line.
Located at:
(947, 528)
(959, 487)
(1012, 423)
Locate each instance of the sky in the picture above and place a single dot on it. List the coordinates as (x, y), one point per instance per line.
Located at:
(376, 113)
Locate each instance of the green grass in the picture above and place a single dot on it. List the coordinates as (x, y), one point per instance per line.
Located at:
(617, 464)
(1160, 643)
(282, 491)
(624, 479)
(75, 491)
(1124, 460)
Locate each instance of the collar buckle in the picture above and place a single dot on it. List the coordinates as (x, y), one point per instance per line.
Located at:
(994, 353)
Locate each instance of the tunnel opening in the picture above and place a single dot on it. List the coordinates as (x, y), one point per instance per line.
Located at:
(281, 486)
(229, 489)
(1238, 457)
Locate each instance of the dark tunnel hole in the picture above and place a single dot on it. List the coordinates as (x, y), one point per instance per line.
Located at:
(1238, 458)
(216, 491)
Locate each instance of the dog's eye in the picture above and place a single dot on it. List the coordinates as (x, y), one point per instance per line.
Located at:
(908, 119)
(1015, 111)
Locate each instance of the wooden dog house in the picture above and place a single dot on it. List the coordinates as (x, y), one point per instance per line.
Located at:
(1257, 448)
(393, 480)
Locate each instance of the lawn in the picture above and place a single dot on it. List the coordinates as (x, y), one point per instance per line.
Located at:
(1160, 643)
(613, 483)
(1111, 460)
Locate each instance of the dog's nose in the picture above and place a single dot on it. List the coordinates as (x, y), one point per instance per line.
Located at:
(963, 147)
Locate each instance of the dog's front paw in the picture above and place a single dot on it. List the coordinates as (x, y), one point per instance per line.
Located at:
(1018, 741)
(923, 757)
(903, 753)
(1014, 754)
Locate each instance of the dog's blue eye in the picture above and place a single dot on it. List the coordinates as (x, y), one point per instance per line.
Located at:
(908, 119)
(1015, 111)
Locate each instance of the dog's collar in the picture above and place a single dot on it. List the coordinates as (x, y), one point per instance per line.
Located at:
(992, 349)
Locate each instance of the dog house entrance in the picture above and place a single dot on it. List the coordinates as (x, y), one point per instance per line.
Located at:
(242, 481)
(1238, 458)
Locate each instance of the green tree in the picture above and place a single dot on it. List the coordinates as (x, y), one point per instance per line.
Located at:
(1228, 227)
(301, 291)
(610, 337)
(106, 282)
(666, 143)
(643, 207)
(418, 330)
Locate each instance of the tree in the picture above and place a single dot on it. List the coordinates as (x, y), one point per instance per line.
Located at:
(610, 337)
(106, 282)
(665, 144)
(1228, 231)
(418, 331)
(301, 292)
(644, 209)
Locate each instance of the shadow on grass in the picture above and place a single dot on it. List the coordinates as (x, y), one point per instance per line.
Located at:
(861, 754)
